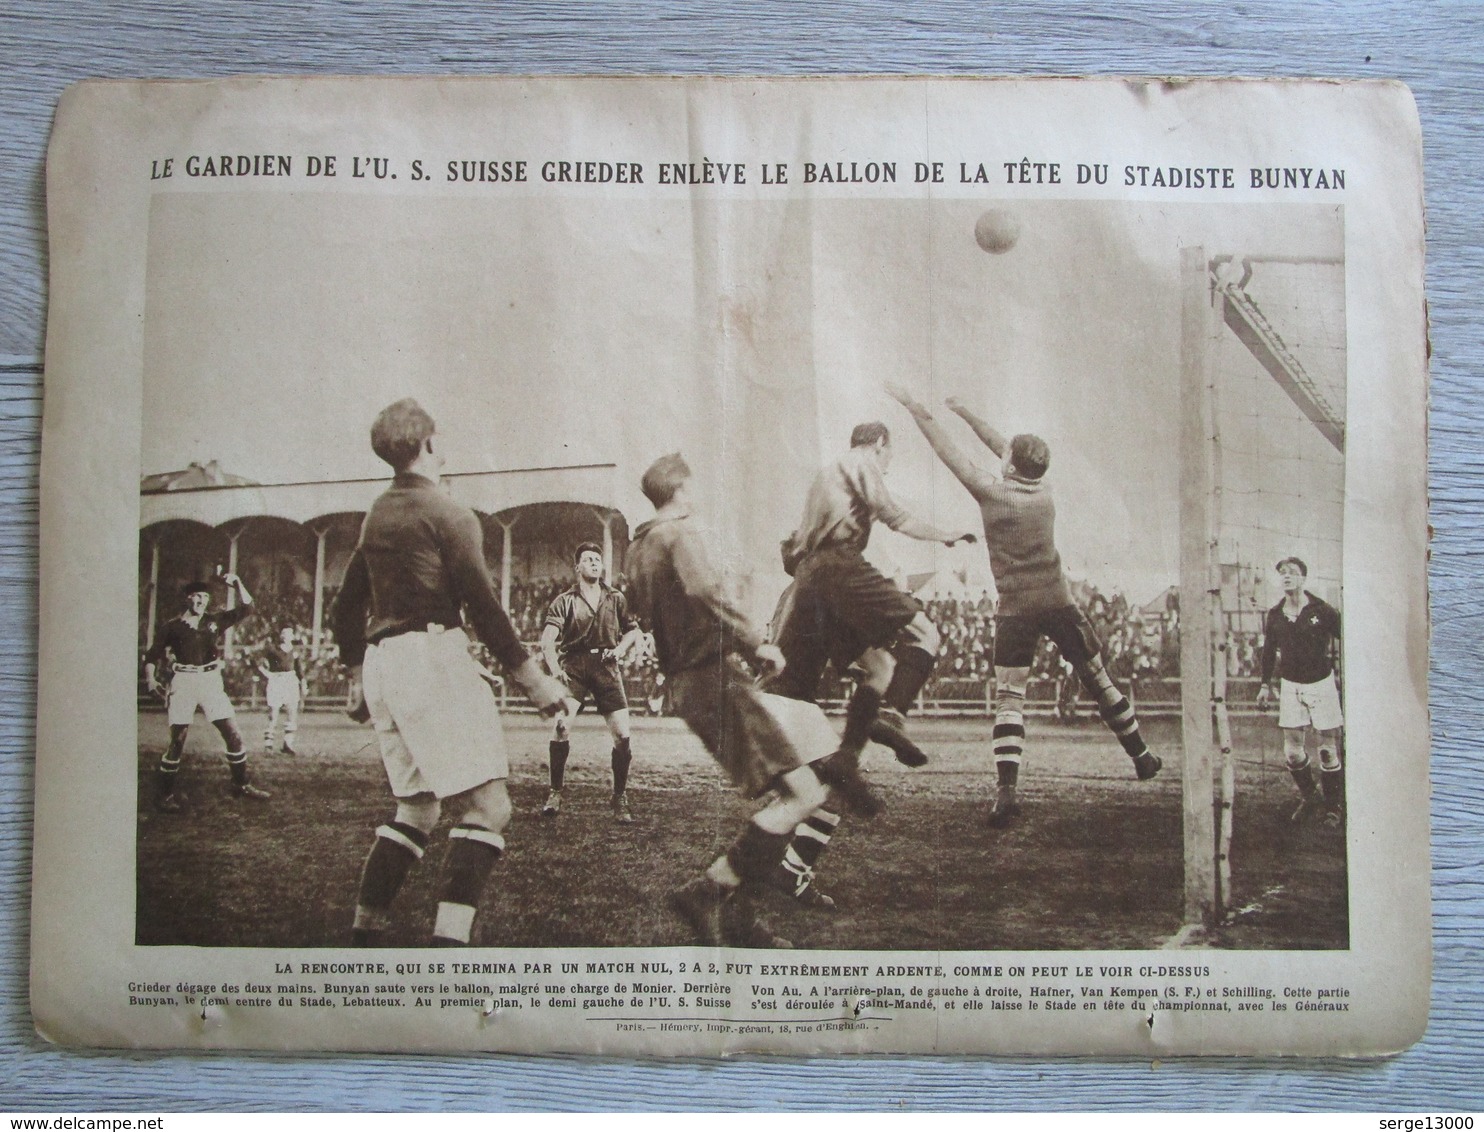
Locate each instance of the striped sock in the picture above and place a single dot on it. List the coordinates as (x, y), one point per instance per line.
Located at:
(1009, 733)
(811, 838)
(1114, 707)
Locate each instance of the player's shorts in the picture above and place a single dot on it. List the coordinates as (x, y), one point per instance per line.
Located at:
(1016, 637)
(436, 718)
(750, 734)
(283, 690)
(590, 675)
(190, 690)
(1316, 704)
(840, 606)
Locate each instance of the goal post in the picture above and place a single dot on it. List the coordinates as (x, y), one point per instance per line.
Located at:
(1197, 480)
(1262, 443)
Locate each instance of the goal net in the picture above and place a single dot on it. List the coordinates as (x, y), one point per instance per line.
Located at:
(1263, 474)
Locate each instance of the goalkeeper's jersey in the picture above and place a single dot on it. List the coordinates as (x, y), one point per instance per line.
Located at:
(1019, 531)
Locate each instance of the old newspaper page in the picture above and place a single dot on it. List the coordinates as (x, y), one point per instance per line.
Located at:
(695, 566)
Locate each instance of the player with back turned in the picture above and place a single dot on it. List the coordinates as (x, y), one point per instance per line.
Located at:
(190, 643)
(587, 634)
(1035, 601)
(399, 622)
(1300, 636)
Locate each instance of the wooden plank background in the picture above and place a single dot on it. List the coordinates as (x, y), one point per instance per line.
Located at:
(1438, 49)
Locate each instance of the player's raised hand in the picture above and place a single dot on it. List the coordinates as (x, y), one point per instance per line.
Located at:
(899, 394)
(955, 403)
(231, 580)
(769, 660)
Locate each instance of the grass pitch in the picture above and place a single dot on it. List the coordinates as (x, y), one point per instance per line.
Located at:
(1094, 861)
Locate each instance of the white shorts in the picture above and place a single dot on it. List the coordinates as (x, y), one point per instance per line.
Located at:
(805, 725)
(436, 718)
(192, 690)
(283, 690)
(1316, 704)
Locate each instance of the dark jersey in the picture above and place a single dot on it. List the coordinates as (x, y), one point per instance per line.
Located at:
(1300, 648)
(679, 595)
(194, 646)
(276, 658)
(419, 562)
(582, 628)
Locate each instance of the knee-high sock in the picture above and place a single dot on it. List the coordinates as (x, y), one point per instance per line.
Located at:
(1009, 733)
(236, 750)
(621, 758)
(558, 750)
(397, 847)
(472, 852)
(914, 666)
(810, 839)
(1113, 706)
(170, 762)
(756, 854)
(1331, 774)
(860, 712)
(1297, 760)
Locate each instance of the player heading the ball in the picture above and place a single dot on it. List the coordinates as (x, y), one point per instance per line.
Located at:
(398, 621)
(843, 609)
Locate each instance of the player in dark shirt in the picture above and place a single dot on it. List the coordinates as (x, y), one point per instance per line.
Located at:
(1300, 637)
(587, 635)
(190, 644)
(398, 622)
(283, 676)
(699, 634)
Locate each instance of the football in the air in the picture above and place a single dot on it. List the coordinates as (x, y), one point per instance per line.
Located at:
(996, 231)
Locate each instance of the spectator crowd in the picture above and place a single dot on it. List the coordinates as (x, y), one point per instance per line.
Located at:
(1142, 648)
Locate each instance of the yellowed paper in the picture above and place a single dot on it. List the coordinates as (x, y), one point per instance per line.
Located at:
(1204, 298)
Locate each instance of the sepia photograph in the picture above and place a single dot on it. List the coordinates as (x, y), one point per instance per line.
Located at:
(681, 567)
(943, 575)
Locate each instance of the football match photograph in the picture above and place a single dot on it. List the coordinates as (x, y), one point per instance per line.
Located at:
(882, 575)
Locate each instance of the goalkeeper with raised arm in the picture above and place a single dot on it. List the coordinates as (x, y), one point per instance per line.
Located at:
(1035, 601)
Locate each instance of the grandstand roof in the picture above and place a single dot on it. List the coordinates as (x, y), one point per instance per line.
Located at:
(205, 494)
